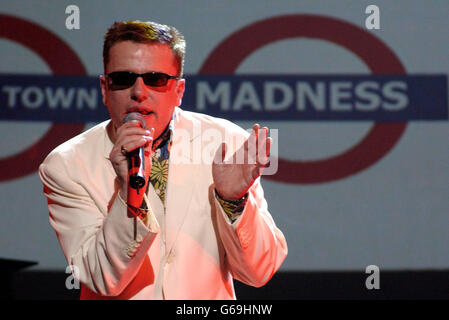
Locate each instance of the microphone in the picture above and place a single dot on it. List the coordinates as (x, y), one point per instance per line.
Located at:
(136, 166)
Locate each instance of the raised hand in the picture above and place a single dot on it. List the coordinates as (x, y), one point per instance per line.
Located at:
(232, 179)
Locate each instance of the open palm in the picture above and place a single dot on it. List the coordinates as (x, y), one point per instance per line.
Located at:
(233, 178)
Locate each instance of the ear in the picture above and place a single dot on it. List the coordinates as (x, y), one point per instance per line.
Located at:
(104, 88)
(180, 87)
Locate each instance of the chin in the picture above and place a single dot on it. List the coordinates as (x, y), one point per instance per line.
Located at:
(149, 121)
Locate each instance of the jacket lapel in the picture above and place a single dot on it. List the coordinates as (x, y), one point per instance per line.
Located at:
(183, 171)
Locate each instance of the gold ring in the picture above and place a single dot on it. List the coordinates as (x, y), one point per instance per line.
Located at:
(123, 150)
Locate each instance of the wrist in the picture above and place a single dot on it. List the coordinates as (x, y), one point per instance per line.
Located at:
(232, 208)
(230, 198)
(236, 203)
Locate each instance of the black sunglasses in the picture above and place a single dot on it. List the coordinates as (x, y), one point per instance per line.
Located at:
(123, 79)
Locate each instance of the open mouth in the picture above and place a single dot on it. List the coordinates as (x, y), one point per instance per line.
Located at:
(141, 111)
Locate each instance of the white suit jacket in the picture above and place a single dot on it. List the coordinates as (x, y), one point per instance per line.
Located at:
(189, 250)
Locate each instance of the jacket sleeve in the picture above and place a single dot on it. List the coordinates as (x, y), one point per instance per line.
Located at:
(255, 247)
(105, 249)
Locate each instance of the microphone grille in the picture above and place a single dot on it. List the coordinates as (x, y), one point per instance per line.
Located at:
(134, 116)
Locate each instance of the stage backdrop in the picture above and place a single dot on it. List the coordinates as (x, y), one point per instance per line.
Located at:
(360, 105)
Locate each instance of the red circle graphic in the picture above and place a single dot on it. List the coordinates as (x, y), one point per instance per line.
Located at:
(381, 138)
(62, 60)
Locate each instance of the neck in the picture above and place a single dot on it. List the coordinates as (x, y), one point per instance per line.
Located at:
(112, 132)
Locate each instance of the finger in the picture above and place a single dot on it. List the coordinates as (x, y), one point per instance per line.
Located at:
(262, 145)
(269, 143)
(262, 154)
(131, 130)
(261, 137)
(132, 143)
(251, 145)
(223, 151)
(220, 154)
(264, 161)
(254, 133)
(256, 129)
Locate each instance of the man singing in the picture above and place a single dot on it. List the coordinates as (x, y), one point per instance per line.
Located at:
(199, 224)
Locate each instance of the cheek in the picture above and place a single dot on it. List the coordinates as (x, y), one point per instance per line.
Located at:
(174, 99)
(116, 105)
(116, 99)
(164, 101)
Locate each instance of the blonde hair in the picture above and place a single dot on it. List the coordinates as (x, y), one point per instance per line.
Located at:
(146, 32)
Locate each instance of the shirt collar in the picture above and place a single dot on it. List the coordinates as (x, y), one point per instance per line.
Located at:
(166, 136)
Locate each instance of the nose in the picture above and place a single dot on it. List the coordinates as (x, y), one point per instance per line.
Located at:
(139, 91)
